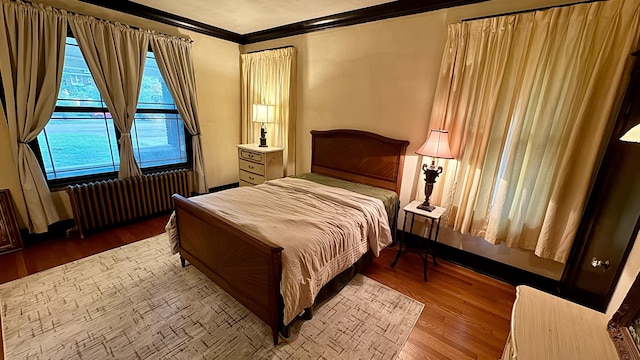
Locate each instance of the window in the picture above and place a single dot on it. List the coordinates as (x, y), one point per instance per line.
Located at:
(157, 133)
(81, 139)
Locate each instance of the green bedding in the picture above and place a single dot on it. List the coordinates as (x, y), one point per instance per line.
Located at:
(389, 198)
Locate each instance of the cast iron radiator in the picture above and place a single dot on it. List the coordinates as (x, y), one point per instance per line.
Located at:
(101, 204)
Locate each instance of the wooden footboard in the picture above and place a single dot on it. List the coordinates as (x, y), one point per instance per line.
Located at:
(245, 267)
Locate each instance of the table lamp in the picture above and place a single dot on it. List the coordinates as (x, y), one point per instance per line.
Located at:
(437, 147)
(263, 114)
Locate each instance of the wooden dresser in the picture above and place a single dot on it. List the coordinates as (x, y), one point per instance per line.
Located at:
(546, 327)
(259, 164)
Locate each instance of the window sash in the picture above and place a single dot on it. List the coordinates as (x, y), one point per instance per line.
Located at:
(61, 182)
(159, 106)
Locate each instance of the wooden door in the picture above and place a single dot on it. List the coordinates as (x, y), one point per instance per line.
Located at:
(611, 220)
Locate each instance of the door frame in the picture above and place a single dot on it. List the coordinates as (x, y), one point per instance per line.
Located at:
(590, 216)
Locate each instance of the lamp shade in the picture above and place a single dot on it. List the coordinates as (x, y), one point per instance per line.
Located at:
(633, 135)
(263, 113)
(437, 145)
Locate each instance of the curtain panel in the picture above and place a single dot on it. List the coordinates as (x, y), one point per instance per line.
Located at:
(175, 62)
(32, 43)
(116, 55)
(528, 99)
(269, 78)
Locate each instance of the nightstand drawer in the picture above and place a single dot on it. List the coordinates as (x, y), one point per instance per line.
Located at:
(251, 156)
(251, 178)
(251, 167)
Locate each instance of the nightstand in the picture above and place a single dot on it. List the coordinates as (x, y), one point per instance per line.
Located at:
(432, 221)
(259, 164)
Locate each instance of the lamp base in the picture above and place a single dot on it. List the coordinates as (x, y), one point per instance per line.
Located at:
(426, 207)
(263, 136)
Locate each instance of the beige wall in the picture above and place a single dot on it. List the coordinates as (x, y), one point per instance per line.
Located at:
(381, 77)
(218, 85)
(378, 76)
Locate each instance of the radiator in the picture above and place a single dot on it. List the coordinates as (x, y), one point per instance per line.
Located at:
(102, 204)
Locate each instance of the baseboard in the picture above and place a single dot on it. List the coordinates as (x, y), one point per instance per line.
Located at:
(489, 267)
(56, 230)
(224, 187)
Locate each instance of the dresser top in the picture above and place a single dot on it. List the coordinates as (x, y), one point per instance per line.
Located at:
(257, 148)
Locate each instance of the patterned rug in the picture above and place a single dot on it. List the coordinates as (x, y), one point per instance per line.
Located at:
(136, 302)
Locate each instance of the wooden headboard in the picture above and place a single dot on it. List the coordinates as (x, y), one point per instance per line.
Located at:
(359, 156)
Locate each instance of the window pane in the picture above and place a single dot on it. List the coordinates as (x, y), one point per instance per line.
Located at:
(158, 139)
(76, 144)
(158, 132)
(154, 93)
(77, 87)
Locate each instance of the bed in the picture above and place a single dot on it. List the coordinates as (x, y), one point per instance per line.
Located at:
(250, 267)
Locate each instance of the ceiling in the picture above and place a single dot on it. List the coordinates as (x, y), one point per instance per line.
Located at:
(248, 16)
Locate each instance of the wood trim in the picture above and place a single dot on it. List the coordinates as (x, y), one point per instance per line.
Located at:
(224, 187)
(480, 264)
(612, 169)
(360, 16)
(618, 325)
(132, 8)
(373, 13)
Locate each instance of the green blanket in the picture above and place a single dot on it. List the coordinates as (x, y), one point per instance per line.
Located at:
(389, 198)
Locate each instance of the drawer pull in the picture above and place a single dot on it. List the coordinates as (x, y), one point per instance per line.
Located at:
(251, 177)
(250, 166)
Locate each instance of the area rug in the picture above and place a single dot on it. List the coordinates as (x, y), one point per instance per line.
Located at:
(136, 302)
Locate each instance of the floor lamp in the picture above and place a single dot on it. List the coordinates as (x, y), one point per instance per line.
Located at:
(437, 147)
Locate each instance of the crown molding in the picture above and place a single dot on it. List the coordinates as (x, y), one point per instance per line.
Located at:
(373, 13)
(164, 17)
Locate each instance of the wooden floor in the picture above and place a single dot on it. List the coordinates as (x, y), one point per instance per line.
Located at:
(466, 314)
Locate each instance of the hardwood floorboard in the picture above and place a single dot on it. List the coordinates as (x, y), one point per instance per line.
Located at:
(466, 314)
(466, 311)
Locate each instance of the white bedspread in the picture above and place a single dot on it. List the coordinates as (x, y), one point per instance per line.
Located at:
(323, 230)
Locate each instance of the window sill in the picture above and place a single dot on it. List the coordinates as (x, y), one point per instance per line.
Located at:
(62, 184)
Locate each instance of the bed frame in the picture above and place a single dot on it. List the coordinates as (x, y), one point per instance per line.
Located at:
(250, 269)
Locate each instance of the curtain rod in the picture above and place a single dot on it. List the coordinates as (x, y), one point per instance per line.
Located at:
(532, 10)
(34, 3)
(275, 48)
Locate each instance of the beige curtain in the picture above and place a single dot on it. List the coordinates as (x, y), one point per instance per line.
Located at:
(115, 55)
(32, 41)
(173, 56)
(269, 78)
(528, 99)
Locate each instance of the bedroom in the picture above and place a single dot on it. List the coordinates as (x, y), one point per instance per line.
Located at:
(377, 76)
